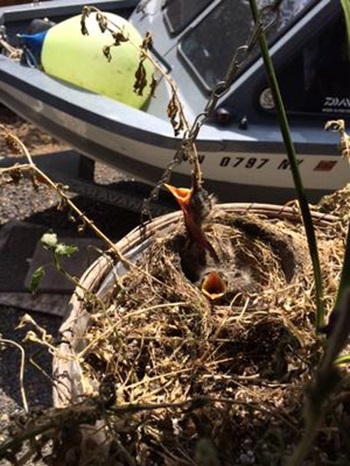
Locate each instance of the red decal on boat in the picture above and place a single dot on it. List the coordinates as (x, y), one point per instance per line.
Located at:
(325, 165)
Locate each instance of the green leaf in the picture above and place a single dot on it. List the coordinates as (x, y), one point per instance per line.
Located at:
(65, 250)
(345, 359)
(36, 279)
(49, 241)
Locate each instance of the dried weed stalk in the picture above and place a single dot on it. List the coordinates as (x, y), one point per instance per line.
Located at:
(38, 177)
(344, 144)
(175, 108)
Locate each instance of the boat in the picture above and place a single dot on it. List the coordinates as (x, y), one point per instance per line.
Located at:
(240, 147)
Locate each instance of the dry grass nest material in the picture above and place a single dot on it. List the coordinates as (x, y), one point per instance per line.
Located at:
(337, 203)
(244, 358)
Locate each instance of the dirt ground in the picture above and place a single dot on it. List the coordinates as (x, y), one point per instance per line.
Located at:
(36, 141)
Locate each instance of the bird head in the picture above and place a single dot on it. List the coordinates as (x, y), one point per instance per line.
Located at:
(213, 286)
(183, 196)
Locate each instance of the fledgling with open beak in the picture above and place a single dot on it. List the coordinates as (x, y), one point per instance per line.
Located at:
(196, 205)
(198, 253)
(213, 286)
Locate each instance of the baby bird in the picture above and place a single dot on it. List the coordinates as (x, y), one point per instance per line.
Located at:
(213, 286)
(196, 205)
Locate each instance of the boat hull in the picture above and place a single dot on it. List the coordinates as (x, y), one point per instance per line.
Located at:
(244, 172)
(237, 165)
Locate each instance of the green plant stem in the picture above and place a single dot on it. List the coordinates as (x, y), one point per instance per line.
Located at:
(325, 382)
(346, 9)
(345, 273)
(339, 320)
(303, 203)
(304, 446)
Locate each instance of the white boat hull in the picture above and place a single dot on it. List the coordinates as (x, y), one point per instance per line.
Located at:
(237, 164)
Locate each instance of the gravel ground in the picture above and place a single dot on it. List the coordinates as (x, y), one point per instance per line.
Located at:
(22, 202)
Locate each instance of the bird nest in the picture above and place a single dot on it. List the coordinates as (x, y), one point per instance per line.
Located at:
(216, 373)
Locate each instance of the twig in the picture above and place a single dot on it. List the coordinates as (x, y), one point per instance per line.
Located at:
(91, 409)
(21, 370)
(44, 179)
(18, 146)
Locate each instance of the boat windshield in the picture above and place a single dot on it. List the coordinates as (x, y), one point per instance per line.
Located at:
(209, 46)
(316, 79)
(179, 13)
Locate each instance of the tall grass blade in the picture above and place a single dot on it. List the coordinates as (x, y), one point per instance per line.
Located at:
(346, 9)
(342, 290)
(304, 206)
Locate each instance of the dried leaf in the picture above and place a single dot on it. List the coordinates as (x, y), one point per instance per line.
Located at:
(102, 22)
(85, 13)
(140, 79)
(147, 42)
(107, 52)
(172, 108)
(174, 114)
(119, 38)
(12, 144)
(153, 86)
(344, 144)
(33, 180)
(16, 175)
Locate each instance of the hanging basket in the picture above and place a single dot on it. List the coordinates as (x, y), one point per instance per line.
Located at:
(236, 347)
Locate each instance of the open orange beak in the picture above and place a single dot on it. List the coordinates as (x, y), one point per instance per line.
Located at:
(182, 195)
(213, 286)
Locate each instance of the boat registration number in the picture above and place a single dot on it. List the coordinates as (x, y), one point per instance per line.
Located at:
(275, 162)
(256, 163)
(251, 162)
